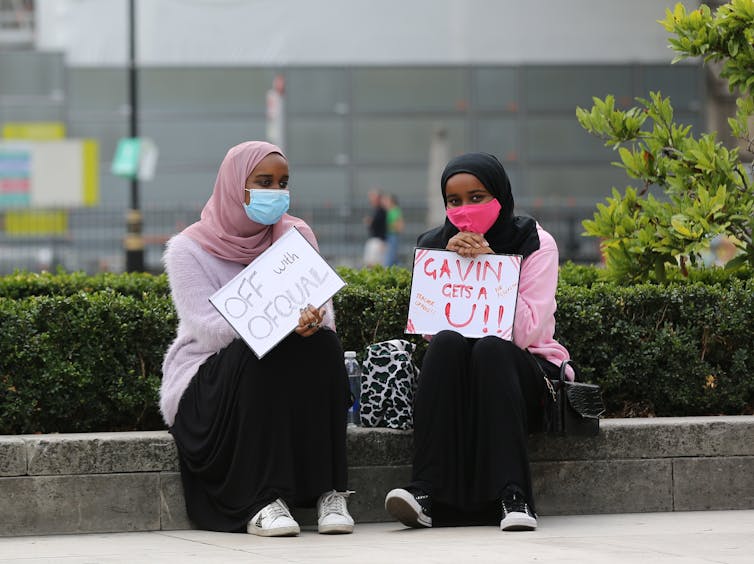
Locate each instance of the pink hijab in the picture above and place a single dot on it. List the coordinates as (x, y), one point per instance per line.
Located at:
(224, 229)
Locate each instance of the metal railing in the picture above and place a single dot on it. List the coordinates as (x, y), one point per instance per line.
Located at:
(92, 239)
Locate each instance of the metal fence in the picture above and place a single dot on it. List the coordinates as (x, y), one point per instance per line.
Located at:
(91, 240)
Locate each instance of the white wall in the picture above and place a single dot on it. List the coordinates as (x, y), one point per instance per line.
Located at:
(357, 32)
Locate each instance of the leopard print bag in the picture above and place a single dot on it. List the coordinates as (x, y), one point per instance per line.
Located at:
(388, 383)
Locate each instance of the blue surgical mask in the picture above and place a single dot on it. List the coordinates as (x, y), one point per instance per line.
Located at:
(267, 206)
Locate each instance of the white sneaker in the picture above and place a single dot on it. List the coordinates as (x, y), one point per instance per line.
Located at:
(273, 520)
(333, 515)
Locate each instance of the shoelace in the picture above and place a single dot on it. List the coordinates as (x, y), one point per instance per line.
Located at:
(334, 502)
(276, 509)
(515, 505)
(424, 501)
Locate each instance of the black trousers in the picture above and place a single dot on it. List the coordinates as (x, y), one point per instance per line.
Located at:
(251, 430)
(477, 401)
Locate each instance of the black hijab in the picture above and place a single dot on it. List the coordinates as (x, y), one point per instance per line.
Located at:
(513, 235)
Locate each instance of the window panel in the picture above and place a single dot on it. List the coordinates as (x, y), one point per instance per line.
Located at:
(31, 73)
(204, 90)
(566, 87)
(316, 90)
(496, 89)
(91, 90)
(404, 140)
(317, 141)
(408, 183)
(562, 138)
(183, 187)
(202, 143)
(574, 183)
(410, 89)
(318, 186)
(106, 133)
(682, 83)
(45, 112)
(500, 137)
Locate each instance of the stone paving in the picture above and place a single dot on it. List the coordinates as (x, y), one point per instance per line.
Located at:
(725, 537)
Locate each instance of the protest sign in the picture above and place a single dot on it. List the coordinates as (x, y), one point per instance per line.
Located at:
(263, 301)
(475, 297)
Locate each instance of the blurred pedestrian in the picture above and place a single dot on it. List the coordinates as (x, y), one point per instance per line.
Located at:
(394, 228)
(376, 222)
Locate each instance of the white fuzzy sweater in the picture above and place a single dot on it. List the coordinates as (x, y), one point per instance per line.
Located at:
(194, 275)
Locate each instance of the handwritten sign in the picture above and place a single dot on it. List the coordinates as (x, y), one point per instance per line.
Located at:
(264, 300)
(475, 297)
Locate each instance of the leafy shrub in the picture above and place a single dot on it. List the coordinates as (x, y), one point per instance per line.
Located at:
(24, 284)
(681, 349)
(706, 191)
(83, 362)
(90, 359)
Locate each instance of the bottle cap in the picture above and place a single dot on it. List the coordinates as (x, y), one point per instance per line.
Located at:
(350, 354)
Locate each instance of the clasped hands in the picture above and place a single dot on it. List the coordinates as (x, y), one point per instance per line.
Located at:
(469, 245)
(310, 320)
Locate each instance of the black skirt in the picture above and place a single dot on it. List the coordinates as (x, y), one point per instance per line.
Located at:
(251, 430)
(477, 401)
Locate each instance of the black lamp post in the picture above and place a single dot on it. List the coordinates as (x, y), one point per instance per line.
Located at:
(133, 242)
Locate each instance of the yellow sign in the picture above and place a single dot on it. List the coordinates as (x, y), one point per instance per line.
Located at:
(34, 130)
(24, 223)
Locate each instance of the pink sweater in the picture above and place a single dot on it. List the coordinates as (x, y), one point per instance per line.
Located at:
(194, 275)
(534, 324)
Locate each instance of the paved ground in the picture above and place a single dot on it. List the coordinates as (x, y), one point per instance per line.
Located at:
(649, 538)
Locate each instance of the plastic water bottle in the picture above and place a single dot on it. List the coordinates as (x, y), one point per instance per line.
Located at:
(353, 369)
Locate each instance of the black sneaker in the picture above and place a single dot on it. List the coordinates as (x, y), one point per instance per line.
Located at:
(410, 506)
(516, 514)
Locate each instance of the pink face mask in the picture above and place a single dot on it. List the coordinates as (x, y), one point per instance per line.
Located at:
(477, 218)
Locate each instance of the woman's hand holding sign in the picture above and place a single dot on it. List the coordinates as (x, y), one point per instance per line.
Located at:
(468, 244)
(310, 320)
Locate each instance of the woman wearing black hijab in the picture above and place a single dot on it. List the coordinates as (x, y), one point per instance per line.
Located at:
(478, 399)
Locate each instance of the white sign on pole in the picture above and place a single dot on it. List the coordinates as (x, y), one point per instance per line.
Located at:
(263, 301)
(475, 297)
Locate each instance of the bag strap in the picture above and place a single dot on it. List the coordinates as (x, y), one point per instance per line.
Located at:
(563, 366)
(548, 383)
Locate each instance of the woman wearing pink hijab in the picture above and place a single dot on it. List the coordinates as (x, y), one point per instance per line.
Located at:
(253, 435)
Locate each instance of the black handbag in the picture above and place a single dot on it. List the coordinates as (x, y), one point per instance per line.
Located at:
(572, 408)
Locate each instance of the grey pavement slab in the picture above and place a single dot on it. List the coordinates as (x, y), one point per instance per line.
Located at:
(725, 537)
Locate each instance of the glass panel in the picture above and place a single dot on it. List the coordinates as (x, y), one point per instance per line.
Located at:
(317, 141)
(682, 82)
(106, 133)
(404, 140)
(98, 90)
(562, 138)
(221, 90)
(573, 184)
(565, 87)
(498, 136)
(695, 120)
(316, 90)
(32, 73)
(114, 192)
(184, 187)
(325, 187)
(496, 89)
(404, 89)
(202, 143)
(30, 112)
(409, 184)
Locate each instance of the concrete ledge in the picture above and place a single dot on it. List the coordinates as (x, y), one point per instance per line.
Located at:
(110, 482)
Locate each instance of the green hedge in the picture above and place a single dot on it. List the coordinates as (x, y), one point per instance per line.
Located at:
(81, 353)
